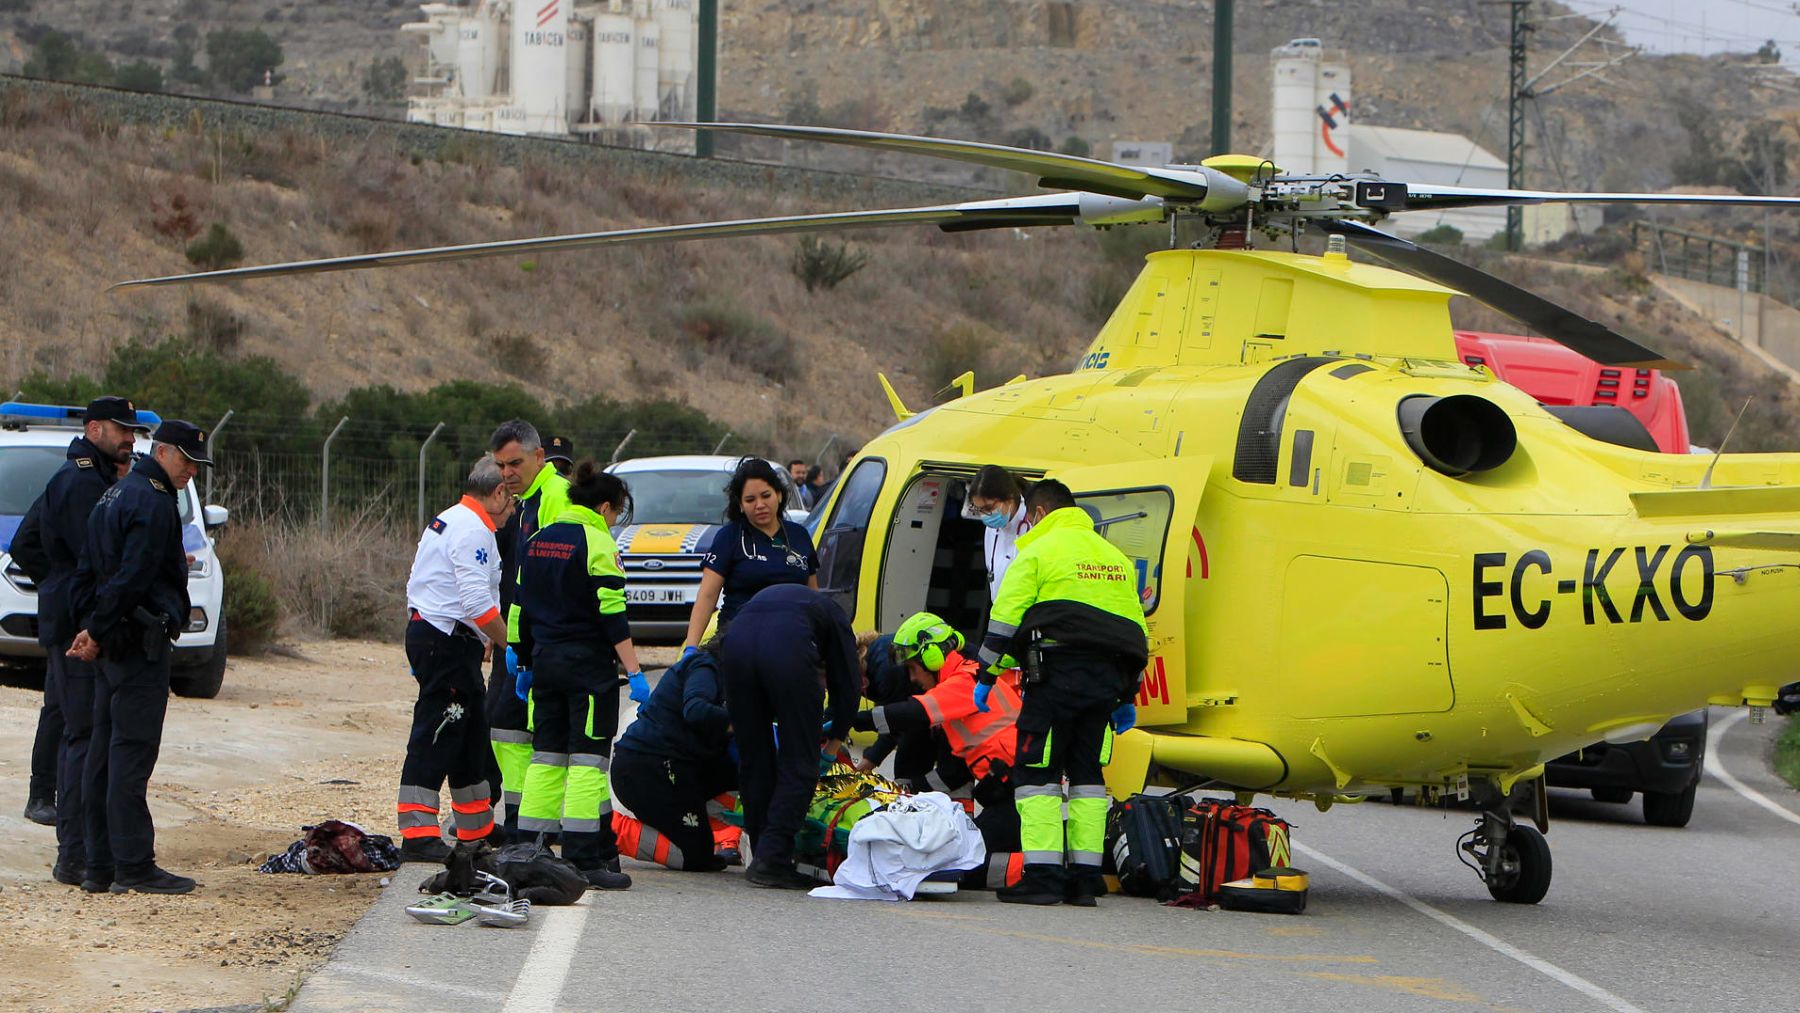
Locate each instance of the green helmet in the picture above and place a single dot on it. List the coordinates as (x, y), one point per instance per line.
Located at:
(928, 638)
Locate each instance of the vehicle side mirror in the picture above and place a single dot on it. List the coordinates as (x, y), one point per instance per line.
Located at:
(216, 516)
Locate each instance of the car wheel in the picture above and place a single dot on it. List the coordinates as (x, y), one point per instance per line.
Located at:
(203, 681)
(1670, 809)
(1525, 867)
(1618, 795)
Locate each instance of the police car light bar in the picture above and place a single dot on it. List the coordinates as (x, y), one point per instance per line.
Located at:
(60, 415)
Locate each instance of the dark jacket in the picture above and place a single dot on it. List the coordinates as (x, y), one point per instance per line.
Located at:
(133, 559)
(817, 633)
(685, 718)
(50, 538)
(887, 683)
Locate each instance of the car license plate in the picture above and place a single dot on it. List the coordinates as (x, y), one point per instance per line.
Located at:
(660, 595)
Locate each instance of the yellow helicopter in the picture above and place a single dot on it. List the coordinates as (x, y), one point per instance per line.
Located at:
(1367, 566)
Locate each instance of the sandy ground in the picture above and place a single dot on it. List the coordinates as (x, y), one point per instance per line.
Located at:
(288, 742)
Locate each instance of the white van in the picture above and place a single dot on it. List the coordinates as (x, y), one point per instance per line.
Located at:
(34, 442)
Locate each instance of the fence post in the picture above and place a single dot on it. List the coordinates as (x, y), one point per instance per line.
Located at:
(721, 444)
(620, 449)
(820, 460)
(422, 448)
(325, 476)
(229, 412)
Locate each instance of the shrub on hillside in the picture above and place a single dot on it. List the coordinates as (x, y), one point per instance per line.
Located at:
(216, 250)
(1442, 235)
(348, 582)
(252, 611)
(385, 80)
(240, 60)
(961, 349)
(63, 57)
(819, 263)
(139, 75)
(212, 326)
(742, 337)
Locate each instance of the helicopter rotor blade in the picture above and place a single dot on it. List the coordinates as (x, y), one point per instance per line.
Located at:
(1592, 339)
(1395, 197)
(1206, 189)
(1006, 212)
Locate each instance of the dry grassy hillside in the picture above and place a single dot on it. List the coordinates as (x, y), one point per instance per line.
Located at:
(723, 325)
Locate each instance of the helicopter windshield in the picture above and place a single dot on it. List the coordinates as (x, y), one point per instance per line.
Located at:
(1136, 522)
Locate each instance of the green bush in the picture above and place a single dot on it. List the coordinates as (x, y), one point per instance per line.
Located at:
(62, 57)
(212, 326)
(385, 80)
(821, 264)
(1017, 92)
(1442, 235)
(216, 250)
(747, 340)
(252, 612)
(240, 59)
(1075, 145)
(139, 75)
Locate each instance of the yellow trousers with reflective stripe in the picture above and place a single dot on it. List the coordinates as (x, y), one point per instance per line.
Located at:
(566, 790)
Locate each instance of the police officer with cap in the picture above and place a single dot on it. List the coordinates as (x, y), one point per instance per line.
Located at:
(559, 453)
(48, 545)
(131, 597)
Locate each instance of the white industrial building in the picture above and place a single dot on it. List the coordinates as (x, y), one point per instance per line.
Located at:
(1314, 135)
(559, 68)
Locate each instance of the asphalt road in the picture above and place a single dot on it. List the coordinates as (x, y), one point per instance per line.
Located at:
(1706, 917)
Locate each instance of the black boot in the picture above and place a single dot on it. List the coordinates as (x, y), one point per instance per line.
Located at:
(69, 871)
(606, 876)
(772, 876)
(41, 811)
(1042, 885)
(157, 880)
(424, 849)
(1083, 890)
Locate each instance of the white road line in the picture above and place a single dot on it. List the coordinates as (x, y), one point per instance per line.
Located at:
(1716, 767)
(1505, 949)
(546, 967)
(412, 983)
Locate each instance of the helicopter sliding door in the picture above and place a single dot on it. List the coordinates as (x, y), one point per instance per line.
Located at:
(1147, 511)
(934, 560)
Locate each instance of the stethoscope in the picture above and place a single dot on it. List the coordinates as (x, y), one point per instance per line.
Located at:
(793, 558)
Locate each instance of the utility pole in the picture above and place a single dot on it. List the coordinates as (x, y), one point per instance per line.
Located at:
(1221, 89)
(706, 73)
(1518, 90)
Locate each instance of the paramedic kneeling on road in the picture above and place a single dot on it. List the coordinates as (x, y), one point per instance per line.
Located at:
(671, 762)
(1069, 608)
(572, 626)
(453, 598)
(757, 548)
(985, 740)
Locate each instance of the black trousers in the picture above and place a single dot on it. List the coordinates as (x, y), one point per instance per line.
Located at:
(508, 721)
(771, 683)
(496, 680)
(75, 681)
(669, 797)
(449, 738)
(48, 742)
(131, 699)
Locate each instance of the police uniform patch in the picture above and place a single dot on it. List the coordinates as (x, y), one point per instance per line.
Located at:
(158, 486)
(84, 462)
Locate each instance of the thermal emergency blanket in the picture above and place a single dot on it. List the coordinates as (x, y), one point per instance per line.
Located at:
(892, 850)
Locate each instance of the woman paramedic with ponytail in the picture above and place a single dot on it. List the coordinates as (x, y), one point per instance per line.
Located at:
(985, 740)
(757, 548)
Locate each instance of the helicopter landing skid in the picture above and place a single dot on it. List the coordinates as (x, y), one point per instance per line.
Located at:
(1512, 858)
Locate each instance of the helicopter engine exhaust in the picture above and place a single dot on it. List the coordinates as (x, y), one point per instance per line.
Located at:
(1457, 435)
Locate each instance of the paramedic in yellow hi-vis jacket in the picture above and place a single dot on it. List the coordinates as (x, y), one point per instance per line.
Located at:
(572, 628)
(543, 495)
(1069, 609)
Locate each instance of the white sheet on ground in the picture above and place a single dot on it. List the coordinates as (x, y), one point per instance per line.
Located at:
(893, 850)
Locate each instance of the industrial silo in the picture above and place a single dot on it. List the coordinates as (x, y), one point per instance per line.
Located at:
(540, 65)
(1296, 67)
(649, 71)
(478, 54)
(675, 76)
(578, 69)
(615, 68)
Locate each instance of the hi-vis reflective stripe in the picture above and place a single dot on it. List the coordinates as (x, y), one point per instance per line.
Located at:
(1281, 853)
(932, 710)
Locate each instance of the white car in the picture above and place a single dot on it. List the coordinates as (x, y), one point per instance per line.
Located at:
(32, 446)
(678, 504)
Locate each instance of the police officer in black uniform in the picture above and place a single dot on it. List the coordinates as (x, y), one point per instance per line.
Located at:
(131, 592)
(559, 453)
(48, 545)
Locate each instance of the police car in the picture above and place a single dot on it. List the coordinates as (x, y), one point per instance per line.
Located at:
(678, 503)
(34, 440)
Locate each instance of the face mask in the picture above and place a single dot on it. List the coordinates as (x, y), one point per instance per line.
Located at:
(996, 520)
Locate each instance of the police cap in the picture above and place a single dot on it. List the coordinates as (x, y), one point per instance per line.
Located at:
(115, 409)
(186, 437)
(559, 448)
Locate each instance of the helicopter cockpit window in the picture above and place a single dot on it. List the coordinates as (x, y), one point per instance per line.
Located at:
(841, 541)
(1136, 522)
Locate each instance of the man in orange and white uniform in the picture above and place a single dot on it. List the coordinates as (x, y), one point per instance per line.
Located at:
(985, 740)
(453, 598)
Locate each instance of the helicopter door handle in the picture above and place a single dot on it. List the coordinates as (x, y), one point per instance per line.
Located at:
(1119, 519)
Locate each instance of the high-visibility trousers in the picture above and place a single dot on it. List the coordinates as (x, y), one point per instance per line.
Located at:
(574, 714)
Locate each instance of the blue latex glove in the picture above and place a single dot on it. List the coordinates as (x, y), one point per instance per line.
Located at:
(640, 688)
(522, 683)
(685, 651)
(982, 689)
(1124, 718)
(827, 761)
(512, 662)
